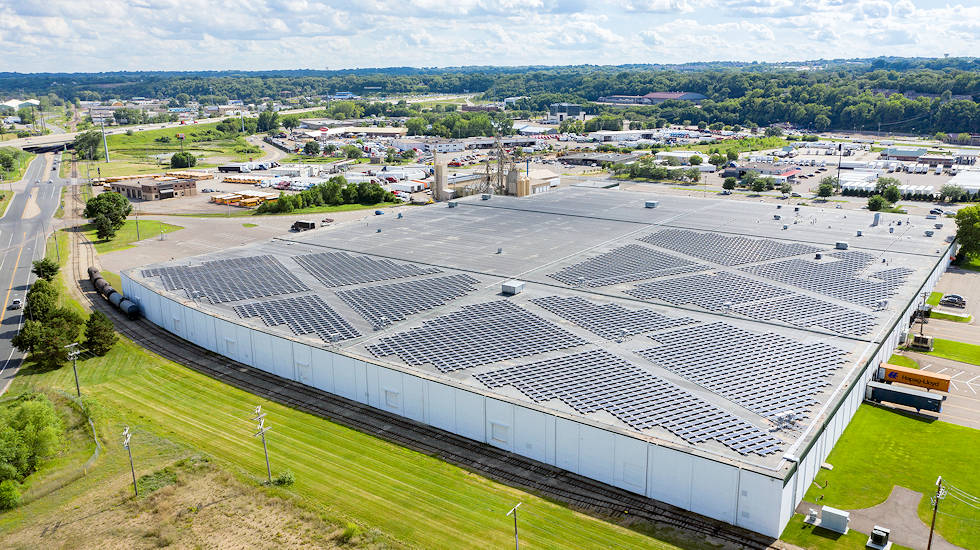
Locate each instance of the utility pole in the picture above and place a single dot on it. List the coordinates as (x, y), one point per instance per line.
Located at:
(105, 144)
(513, 511)
(262, 428)
(940, 494)
(73, 352)
(132, 469)
(840, 157)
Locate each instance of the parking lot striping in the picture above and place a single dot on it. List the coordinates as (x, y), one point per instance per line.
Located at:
(955, 387)
(942, 370)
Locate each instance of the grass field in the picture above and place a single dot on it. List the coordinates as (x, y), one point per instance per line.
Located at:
(806, 536)
(249, 225)
(409, 496)
(340, 208)
(949, 317)
(972, 263)
(5, 197)
(126, 235)
(23, 160)
(304, 159)
(903, 361)
(881, 448)
(113, 279)
(933, 299)
(957, 351)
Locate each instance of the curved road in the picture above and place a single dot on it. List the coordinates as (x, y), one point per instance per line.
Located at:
(23, 231)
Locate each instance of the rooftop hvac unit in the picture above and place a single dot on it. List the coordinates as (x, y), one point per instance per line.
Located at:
(834, 519)
(891, 229)
(452, 204)
(860, 233)
(651, 204)
(939, 226)
(776, 217)
(511, 288)
(485, 196)
(841, 245)
(879, 538)
(819, 256)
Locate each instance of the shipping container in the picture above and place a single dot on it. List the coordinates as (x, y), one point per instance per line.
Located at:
(914, 377)
(910, 397)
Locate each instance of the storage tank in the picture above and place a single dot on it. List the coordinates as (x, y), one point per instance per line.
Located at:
(114, 298)
(130, 309)
(92, 273)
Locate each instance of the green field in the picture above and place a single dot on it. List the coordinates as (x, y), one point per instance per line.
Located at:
(127, 235)
(957, 351)
(113, 279)
(249, 225)
(5, 199)
(903, 361)
(304, 159)
(23, 160)
(881, 448)
(411, 497)
(933, 299)
(806, 536)
(949, 317)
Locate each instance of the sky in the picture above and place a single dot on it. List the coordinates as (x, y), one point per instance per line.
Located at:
(115, 35)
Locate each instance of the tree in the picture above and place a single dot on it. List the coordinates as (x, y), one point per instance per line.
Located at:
(748, 179)
(100, 335)
(571, 126)
(774, 131)
(759, 185)
(717, 159)
(831, 181)
(9, 495)
(183, 160)
(352, 151)
(182, 99)
(732, 154)
(290, 122)
(825, 190)
(892, 194)
(28, 337)
(884, 182)
(952, 192)
(45, 268)
(968, 230)
(42, 298)
(729, 183)
(311, 148)
(88, 145)
(408, 154)
(786, 188)
(112, 205)
(416, 126)
(694, 160)
(268, 121)
(876, 203)
(104, 228)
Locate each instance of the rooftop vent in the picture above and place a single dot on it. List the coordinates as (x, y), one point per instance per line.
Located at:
(485, 196)
(841, 245)
(452, 204)
(651, 204)
(512, 287)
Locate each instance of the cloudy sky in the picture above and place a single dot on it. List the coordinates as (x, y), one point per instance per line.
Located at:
(109, 35)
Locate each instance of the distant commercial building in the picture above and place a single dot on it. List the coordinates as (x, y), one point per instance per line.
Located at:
(154, 189)
(599, 159)
(779, 173)
(903, 154)
(653, 98)
(477, 108)
(563, 111)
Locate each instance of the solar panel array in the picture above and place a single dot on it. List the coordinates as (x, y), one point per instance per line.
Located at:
(840, 279)
(723, 249)
(303, 314)
(627, 263)
(476, 335)
(384, 304)
(230, 280)
(804, 311)
(707, 290)
(765, 373)
(610, 321)
(340, 268)
(600, 381)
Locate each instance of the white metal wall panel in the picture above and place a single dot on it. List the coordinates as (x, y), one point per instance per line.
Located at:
(566, 444)
(789, 501)
(391, 390)
(245, 344)
(343, 376)
(227, 337)
(127, 286)
(282, 357)
(413, 397)
(759, 498)
(173, 317)
(596, 454)
(303, 363)
(361, 393)
(500, 424)
(669, 473)
(262, 352)
(714, 488)
(441, 406)
(151, 308)
(323, 370)
(372, 391)
(470, 415)
(534, 434)
(631, 464)
(202, 329)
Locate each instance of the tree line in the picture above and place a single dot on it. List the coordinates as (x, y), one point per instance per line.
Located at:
(334, 192)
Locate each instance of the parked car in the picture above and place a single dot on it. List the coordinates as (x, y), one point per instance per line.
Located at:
(953, 300)
(936, 211)
(16, 303)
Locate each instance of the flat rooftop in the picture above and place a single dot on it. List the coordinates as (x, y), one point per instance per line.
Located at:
(697, 324)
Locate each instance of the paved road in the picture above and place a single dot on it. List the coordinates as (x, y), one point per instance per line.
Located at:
(22, 240)
(963, 404)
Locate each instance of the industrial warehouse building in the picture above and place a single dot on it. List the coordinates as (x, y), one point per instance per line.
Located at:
(704, 353)
(155, 188)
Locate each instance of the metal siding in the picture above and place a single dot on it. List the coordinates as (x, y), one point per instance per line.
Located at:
(343, 376)
(303, 363)
(759, 501)
(323, 370)
(282, 357)
(669, 476)
(631, 464)
(470, 415)
(500, 426)
(391, 391)
(262, 352)
(441, 406)
(714, 489)
(414, 397)
(596, 454)
(566, 444)
(531, 430)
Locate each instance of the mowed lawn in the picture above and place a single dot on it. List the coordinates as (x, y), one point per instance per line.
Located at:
(881, 448)
(957, 351)
(903, 361)
(411, 497)
(127, 234)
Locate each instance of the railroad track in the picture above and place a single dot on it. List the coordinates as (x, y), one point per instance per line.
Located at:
(578, 492)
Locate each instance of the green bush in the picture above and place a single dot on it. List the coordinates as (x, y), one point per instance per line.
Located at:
(9, 495)
(285, 479)
(351, 531)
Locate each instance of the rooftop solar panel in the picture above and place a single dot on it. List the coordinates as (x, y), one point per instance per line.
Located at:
(624, 264)
(610, 321)
(341, 268)
(385, 304)
(726, 249)
(303, 315)
(230, 280)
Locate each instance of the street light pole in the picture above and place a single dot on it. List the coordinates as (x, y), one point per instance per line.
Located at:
(132, 468)
(513, 511)
(940, 494)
